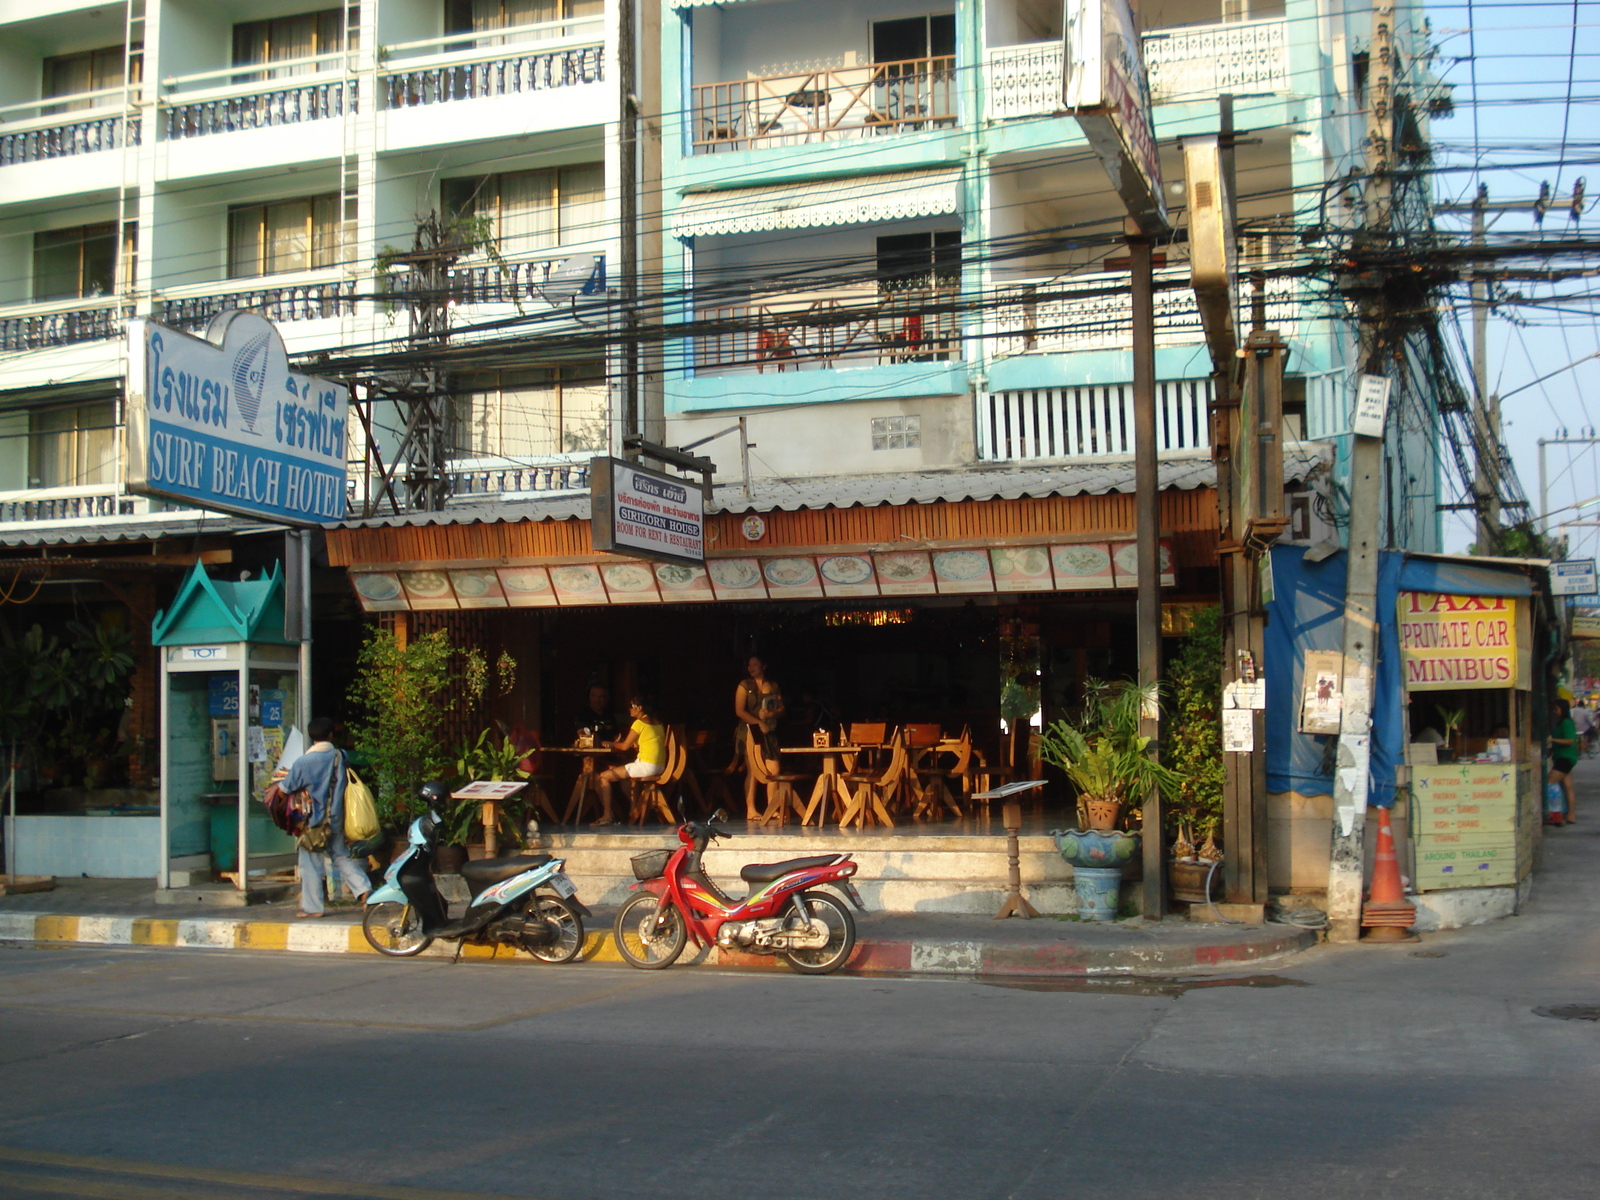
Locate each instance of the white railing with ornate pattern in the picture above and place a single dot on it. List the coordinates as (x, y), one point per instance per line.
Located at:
(43, 325)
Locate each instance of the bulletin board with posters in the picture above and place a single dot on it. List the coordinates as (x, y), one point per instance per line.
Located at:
(1474, 807)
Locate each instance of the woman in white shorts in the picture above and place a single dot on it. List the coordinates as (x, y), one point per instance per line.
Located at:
(650, 736)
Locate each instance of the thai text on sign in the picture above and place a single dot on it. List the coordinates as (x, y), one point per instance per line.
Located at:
(1451, 642)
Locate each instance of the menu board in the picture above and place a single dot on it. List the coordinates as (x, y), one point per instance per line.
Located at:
(1464, 825)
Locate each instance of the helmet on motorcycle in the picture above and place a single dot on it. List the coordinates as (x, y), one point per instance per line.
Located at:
(434, 794)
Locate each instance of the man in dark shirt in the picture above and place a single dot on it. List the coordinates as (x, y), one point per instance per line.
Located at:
(597, 718)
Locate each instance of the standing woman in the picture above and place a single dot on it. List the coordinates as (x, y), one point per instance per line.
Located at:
(758, 703)
(1563, 751)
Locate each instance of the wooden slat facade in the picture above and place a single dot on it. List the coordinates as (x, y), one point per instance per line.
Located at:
(1188, 518)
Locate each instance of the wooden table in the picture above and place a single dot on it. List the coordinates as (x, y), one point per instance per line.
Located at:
(829, 780)
(586, 776)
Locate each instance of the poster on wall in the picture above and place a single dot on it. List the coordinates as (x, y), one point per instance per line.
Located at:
(1322, 698)
(1449, 642)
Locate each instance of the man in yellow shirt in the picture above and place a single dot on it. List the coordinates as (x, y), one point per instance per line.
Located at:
(650, 736)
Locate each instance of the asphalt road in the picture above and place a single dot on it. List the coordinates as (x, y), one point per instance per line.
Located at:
(1413, 1071)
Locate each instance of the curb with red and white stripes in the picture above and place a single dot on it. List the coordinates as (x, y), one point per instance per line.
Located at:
(913, 956)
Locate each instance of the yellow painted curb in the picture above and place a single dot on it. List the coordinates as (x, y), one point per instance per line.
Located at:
(358, 942)
(600, 946)
(261, 935)
(154, 932)
(55, 929)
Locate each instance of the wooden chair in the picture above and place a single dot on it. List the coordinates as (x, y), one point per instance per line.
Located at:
(654, 792)
(937, 778)
(781, 796)
(876, 791)
(694, 745)
(922, 741)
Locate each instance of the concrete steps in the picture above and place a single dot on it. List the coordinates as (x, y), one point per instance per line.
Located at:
(899, 871)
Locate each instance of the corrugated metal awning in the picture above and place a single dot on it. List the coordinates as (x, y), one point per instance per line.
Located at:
(899, 196)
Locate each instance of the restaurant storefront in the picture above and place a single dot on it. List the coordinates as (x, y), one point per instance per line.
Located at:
(903, 599)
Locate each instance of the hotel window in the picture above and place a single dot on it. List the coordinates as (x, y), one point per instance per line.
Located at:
(75, 446)
(78, 262)
(86, 71)
(531, 414)
(283, 38)
(481, 16)
(285, 235)
(531, 211)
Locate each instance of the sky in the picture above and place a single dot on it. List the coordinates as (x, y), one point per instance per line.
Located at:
(1526, 82)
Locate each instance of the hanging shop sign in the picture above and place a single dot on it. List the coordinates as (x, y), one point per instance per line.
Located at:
(1105, 87)
(955, 571)
(1586, 626)
(221, 422)
(1449, 642)
(645, 514)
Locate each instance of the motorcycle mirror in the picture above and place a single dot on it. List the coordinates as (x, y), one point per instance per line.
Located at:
(720, 815)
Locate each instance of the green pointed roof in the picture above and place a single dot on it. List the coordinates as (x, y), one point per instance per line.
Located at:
(215, 610)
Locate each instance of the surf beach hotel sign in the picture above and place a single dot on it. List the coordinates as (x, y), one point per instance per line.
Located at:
(221, 422)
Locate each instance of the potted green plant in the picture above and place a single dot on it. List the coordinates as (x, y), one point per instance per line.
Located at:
(1193, 808)
(493, 756)
(1104, 755)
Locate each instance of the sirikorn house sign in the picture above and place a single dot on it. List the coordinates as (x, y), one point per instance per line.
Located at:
(221, 422)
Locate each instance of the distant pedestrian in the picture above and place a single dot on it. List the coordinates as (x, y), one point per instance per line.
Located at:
(321, 772)
(1583, 720)
(1563, 752)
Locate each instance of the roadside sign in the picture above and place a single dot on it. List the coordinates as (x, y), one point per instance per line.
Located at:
(1575, 577)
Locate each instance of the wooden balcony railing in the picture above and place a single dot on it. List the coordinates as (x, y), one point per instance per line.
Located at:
(845, 102)
(811, 333)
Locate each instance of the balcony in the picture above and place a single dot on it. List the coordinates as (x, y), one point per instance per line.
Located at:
(28, 133)
(515, 60)
(825, 105)
(92, 502)
(844, 328)
(313, 296)
(62, 323)
(1089, 421)
(1094, 312)
(471, 478)
(232, 99)
(1197, 62)
(516, 281)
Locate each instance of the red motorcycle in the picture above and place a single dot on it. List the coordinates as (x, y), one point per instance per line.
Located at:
(677, 901)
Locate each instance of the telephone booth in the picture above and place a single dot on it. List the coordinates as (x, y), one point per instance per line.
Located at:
(233, 688)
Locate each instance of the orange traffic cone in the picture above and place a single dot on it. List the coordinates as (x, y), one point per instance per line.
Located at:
(1386, 913)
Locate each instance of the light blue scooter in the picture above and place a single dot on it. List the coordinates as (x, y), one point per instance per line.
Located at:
(406, 912)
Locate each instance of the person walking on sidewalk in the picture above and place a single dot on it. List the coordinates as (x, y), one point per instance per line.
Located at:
(321, 771)
(1564, 752)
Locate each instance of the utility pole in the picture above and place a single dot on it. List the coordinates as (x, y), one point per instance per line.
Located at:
(1487, 465)
(1352, 778)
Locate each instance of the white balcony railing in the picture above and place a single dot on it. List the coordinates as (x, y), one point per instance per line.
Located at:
(62, 322)
(61, 126)
(516, 281)
(258, 96)
(309, 296)
(1094, 312)
(504, 476)
(1244, 58)
(518, 59)
(1078, 422)
(1192, 63)
(814, 331)
(88, 502)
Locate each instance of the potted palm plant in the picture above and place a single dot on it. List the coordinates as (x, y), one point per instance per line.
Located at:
(1107, 760)
(493, 756)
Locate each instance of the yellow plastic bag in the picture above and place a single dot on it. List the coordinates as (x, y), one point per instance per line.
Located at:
(360, 809)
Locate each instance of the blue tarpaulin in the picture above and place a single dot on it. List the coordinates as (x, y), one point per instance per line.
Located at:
(1307, 614)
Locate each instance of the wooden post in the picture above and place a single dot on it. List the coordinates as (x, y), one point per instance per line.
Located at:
(1016, 904)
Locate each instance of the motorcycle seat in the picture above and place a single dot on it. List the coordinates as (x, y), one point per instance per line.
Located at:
(481, 872)
(767, 872)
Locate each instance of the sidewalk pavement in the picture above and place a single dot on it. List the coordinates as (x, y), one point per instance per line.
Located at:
(124, 912)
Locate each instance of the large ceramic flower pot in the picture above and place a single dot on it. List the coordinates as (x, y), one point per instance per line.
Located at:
(1096, 847)
(1186, 879)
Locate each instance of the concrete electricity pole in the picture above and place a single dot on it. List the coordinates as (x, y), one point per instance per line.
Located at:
(1352, 777)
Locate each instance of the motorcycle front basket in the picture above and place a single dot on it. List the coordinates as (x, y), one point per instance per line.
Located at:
(650, 864)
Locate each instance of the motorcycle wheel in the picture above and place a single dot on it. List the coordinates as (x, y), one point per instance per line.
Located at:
(841, 936)
(567, 926)
(394, 929)
(640, 943)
